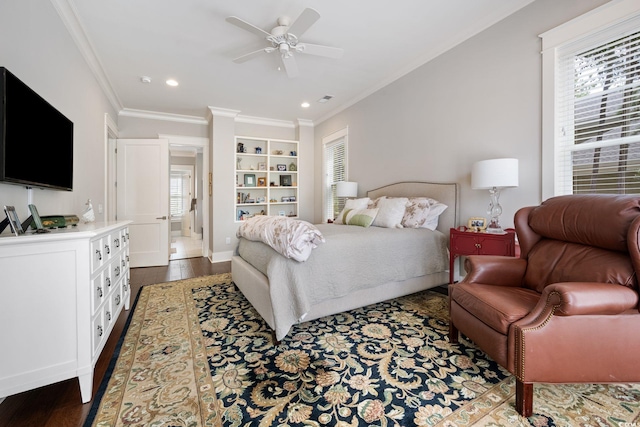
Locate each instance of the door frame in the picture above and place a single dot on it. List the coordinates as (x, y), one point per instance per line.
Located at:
(110, 168)
(202, 143)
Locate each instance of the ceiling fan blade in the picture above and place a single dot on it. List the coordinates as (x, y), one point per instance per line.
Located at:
(246, 26)
(316, 49)
(248, 56)
(307, 18)
(290, 65)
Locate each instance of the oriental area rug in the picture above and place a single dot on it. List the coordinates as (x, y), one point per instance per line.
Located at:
(197, 354)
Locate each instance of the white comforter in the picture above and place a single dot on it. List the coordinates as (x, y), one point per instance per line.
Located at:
(352, 258)
(292, 238)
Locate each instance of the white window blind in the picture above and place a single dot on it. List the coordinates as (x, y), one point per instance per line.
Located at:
(178, 193)
(598, 114)
(335, 169)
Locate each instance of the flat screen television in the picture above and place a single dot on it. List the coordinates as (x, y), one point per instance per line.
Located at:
(36, 140)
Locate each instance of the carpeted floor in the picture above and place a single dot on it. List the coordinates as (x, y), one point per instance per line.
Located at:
(197, 354)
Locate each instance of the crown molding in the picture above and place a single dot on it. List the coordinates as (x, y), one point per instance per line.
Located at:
(265, 121)
(223, 112)
(169, 117)
(67, 12)
(305, 123)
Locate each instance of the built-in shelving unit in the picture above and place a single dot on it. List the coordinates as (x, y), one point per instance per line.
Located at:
(266, 177)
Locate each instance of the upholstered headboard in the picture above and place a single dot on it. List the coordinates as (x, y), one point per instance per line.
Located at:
(446, 193)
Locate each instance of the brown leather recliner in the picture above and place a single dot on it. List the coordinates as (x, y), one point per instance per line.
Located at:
(567, 310)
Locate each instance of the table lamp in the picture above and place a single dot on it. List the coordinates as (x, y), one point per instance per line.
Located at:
(494, 174)
(346, 189)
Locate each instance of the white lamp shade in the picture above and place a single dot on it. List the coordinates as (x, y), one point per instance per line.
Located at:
(499, 173)
(346, 189)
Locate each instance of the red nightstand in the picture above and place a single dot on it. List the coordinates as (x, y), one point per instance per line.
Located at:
(472, 243)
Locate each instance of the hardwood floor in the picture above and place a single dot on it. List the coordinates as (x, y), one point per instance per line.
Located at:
(60, 405)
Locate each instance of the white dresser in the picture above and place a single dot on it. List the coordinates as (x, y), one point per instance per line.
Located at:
(60, 295)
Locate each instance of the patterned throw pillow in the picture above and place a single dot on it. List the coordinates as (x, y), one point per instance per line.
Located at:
(360, 217)
(422, 212)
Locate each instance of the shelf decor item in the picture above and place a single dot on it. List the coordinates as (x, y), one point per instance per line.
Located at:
(477, 223)
(285, 180)
(293, 167)
(262, 181)
(249, 180)
(282, 168)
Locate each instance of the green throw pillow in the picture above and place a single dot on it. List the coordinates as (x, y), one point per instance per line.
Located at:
(360, 217)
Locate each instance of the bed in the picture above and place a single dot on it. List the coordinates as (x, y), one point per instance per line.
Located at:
(282, 304)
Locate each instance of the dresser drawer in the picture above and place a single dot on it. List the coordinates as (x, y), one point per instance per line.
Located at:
(98, 332)
(97, 292)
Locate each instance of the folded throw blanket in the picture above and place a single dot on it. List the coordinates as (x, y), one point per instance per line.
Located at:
(293, 238)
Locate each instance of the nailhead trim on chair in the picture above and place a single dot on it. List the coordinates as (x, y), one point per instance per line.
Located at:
(521, 365)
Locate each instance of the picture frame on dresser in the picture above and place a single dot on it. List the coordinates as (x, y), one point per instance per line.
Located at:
(14, 221)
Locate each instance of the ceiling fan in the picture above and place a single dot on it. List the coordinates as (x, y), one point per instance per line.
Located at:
(285, 39)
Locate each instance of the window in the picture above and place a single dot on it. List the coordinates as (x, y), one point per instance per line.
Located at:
(179, 183)
(334, 170)
(591, 131)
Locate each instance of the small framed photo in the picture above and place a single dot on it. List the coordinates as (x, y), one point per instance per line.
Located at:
(14, 221)
(284, 199)
(260, 199)
(281, 213)
(285, 180)
(282, 168)
(262, 181)
(477, 223)
(249, 180)
(262, 166)
(292, 198)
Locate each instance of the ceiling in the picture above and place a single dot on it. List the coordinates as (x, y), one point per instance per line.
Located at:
(190, 41)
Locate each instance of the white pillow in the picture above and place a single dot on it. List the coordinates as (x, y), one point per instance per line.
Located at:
(434, 212)
(350, 204)
(390, 212)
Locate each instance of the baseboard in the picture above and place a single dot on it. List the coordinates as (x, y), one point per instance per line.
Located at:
(220, 256)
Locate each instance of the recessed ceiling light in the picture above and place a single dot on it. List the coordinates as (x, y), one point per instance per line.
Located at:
(305, 105)
(145, 79)
(172, 82)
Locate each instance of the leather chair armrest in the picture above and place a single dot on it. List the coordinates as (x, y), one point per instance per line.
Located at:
(583, 298)
(493, 269)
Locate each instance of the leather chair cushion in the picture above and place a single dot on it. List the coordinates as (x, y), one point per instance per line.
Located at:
(553, 261)
(591, 219)
(495, 306)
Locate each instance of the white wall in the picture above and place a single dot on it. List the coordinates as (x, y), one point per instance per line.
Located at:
(478, 101)
(36, 47)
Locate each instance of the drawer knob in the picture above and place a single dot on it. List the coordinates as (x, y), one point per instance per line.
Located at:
(117, 299)
(100, 291)
(100, 330)
(107, 249)
(117, 270)
(117, 242)
(109, 316)
(99, 254)
(108, 281)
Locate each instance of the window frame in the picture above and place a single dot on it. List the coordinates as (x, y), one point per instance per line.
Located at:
(329, 141)
(617, 14)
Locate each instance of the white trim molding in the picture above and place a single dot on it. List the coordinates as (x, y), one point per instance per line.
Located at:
(265, 121)
(69, 16)
(169, 117)
(613, 13)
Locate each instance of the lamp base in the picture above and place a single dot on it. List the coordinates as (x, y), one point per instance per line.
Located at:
(494, 227)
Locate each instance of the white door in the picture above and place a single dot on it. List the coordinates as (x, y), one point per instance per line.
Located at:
(143, 197)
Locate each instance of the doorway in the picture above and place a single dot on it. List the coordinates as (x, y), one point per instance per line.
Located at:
(186, 199)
